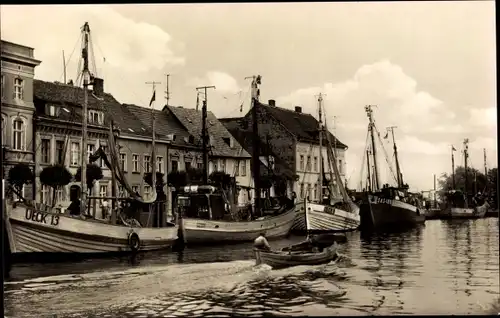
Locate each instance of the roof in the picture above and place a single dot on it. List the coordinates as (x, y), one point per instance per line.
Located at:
(191, 119)
(301, 125)
(71, 99)
(245, 139)
(166, 124)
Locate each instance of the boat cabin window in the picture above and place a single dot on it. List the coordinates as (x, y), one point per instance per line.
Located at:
(194, 206)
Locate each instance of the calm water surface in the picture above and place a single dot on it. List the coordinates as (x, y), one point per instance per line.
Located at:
(444, 267)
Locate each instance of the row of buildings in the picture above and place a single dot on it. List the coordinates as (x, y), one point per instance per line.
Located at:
(41, 126)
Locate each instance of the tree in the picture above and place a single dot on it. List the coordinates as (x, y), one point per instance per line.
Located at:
(148, 178)
(220, 179)
(19, 175)
(55, 176)
(479, 182)
(177, 179)
(195, 176)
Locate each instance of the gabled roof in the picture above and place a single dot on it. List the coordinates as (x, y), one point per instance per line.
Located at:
(165, 124)
(191, 119)
(303, 126)
(245, 138)
(71, 99)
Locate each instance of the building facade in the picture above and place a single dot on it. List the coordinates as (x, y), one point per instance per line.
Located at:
(293, 136)
(17, 72)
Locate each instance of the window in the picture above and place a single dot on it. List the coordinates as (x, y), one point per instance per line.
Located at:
(237, 168)
(75, 153)
(315, 168)
(18, 88)
(308, 190)
(59, 195)
(174, 165)
(4, 131)
(90, 151)
(215, 165)
(3, 86)
(301, 190)
(18, 198)
(159, 163)
(45, 150)
(123, 161)
(96, 117)
(147, 192)
(103, 190)
(135, 163)
(121, 191)
(301, 167)
(316, 191)
(147, 163)
(18, 134)
(45, 194)
(199, 165)
(223, 165)
(101, 161)
(188, 165)
(59, 151)
(52, 110)
(340, 166)
(243, 168)
(135, 189)
(308, 164)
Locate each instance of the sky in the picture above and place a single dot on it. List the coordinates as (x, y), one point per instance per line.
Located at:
(428, 66)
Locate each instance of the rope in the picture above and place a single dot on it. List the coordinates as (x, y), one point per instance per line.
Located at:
(385, 154)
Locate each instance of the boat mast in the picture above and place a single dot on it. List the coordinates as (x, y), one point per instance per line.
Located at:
(369, 181)
(256, 81)
(398, 169)
(204, 135)
(466, 155)
(371, 125)
(320, 133)
(153, 139)
(485, 165)
(453, 167)
(86, 83)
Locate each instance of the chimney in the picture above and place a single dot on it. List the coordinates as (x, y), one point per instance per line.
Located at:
(98, 87)
(298, 109)
(272, 102)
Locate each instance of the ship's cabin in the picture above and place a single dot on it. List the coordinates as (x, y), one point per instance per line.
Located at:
(201, 202)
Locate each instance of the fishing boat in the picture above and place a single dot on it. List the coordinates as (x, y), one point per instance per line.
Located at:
(283, 259)
(337, 212)
(36, 229)
(387, 206)
(459, 204)
(209, 216)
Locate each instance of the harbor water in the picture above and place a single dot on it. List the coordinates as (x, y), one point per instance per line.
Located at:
(442, 267)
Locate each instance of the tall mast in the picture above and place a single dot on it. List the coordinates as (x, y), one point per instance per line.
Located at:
(466, 155)
(153, 137)
(398, 169)
(204, 134)
(86, 83)
(256, 80)
(64, 67)
(320, 132)
(371, 125)
(167, 90)
(369, 181)
(453, 167)
(485, 164)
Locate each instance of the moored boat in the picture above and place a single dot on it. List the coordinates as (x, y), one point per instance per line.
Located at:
(283, 259)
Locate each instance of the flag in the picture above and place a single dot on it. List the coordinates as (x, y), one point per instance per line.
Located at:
(153, 98)
(386, 135)
(453, 148)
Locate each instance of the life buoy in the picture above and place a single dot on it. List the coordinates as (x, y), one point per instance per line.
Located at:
(134, 242)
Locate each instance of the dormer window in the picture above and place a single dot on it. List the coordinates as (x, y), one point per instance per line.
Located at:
(96, 117)
(229, 141)
(51, 110)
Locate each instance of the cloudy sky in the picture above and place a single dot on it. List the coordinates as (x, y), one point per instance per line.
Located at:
(429, 66)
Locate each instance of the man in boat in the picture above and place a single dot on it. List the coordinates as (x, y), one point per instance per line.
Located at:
(262, 243)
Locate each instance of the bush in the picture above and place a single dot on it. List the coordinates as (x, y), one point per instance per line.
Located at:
(148, 178)
(19, 175)
(55, 176)
(220, 179)
(94, 173)
(177, 179)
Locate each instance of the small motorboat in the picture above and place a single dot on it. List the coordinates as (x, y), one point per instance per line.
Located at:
(298, 254)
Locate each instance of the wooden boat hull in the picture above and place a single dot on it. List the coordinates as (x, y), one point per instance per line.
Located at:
(323, 218)
(377, 212)
(467, 213)
(285, 259)
(208, 231)
(35, 231)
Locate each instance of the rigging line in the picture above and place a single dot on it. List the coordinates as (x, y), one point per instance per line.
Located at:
(386, 156)
(363, 158)
(240, 102)
(69, 58)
